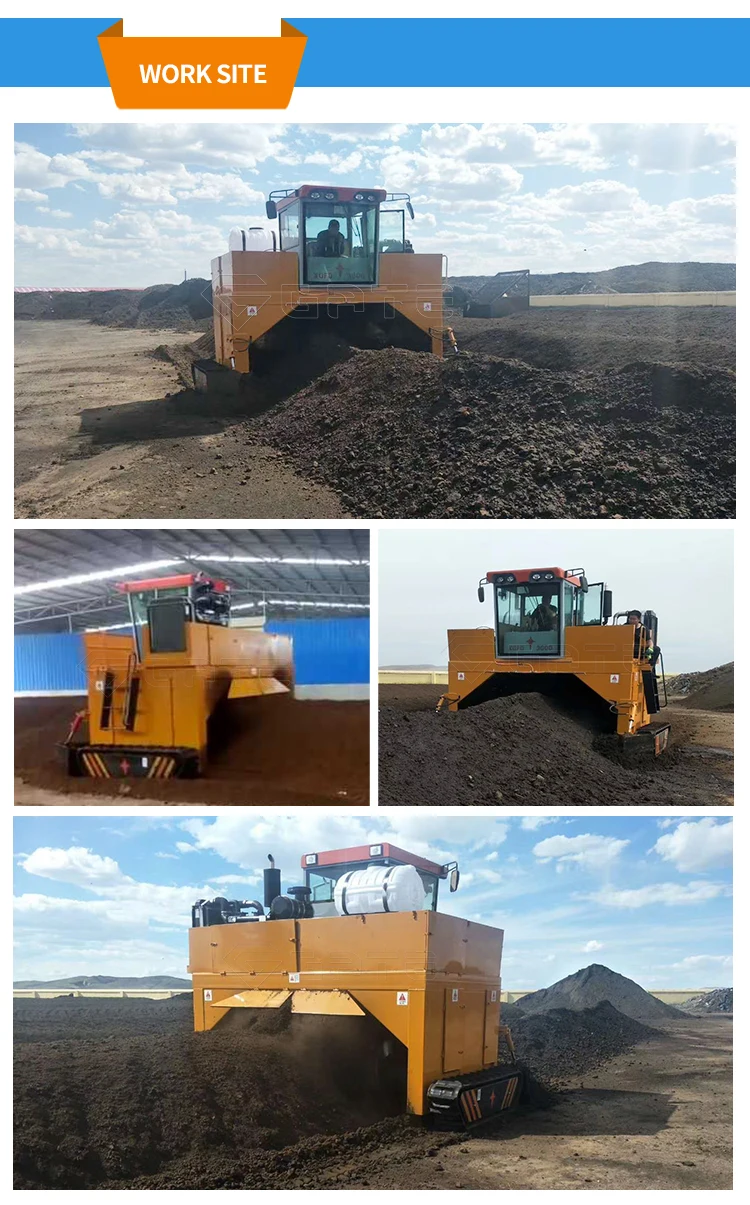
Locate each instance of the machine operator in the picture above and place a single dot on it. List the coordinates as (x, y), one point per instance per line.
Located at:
(330, 243)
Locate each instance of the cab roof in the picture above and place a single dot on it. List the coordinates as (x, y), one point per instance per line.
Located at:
(372, 853)
(328, 192)
(511, 576)
(173, 583)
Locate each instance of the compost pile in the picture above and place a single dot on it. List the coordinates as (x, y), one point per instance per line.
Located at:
(709, 690)
(561, 1043)
(401, 434)
(105, 1095)
(566, 340)
(268, 750)
(652, 277)
(522, 749)
(183, 307)
(594, 985)
(720, 1000)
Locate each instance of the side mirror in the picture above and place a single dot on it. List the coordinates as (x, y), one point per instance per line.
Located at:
(606, 604)
(480, 593)
(410, 210)
(271, 211)
(584, 585)
(454, 879)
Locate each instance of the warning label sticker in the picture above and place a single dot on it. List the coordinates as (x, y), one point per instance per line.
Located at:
(614, 677)
(208, 995)
(252, 311)
(294, 976)
(402, 998)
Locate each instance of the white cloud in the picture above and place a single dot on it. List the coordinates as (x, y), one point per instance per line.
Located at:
(74, 865)
(588, 849)
(29, 194)
(668, 894)
(531, 823)
(704, 844)
(591, 947)
(704, 962)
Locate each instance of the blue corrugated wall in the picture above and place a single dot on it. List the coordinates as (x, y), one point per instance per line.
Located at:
(49, 662)
(326, 651)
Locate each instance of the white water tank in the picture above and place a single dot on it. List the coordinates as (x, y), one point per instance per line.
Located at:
(256, 238)
(379, 889)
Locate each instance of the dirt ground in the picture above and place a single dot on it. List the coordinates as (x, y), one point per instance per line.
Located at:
(101, 1101)
(551, 415)
(526, 749)
(276, 750)
(98, 437)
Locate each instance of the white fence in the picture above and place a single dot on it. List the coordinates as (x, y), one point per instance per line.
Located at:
(608, 300)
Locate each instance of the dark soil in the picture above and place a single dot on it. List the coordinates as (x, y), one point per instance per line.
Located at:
(719, 1001)
(561, 1043)
(262, 751)
(122, 1094)
(400, 434)
(713, 690)
(590, 986)
(653, 277)
(115, 1101)
(698, 680)
(523, 749)
(183, 307)
(570, 340)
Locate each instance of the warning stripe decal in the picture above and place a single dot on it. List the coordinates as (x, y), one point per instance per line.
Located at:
(510, 1092)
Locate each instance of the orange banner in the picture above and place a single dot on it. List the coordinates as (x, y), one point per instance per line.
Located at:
(202, 73)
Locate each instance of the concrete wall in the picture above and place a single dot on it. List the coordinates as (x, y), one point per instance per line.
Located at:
(413, 677)
(609, 300)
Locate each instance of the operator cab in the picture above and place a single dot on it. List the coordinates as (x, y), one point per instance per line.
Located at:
(533, 607)
(166, 604)
(339, 233)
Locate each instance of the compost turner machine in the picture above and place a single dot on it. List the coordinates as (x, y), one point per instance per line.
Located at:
(361, 936)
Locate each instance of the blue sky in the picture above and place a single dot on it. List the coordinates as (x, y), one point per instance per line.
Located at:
(649, 897)
(133, 204)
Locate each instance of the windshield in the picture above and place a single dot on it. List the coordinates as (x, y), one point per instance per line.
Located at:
(528, 619)
(322, 881)
(340, 243)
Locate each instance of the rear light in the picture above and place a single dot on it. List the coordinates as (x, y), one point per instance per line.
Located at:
(376, 851)
(315, 196)
(311, 859)
(330, 196)
(536, 577)
(371, 196)
(359, 196)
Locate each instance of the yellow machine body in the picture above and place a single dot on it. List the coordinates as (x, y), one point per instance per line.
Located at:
(603, 658)
(253, 291)
(432, 980)
(163, 701)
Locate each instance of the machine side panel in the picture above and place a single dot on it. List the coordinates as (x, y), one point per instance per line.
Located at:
(389, 944)
(254, 950)
(463, 1044)
(464, 949)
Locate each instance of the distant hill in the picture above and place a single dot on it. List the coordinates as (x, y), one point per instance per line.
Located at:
(652, 277)
(104, 981)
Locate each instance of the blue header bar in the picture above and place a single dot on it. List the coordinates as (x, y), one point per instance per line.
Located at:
(415, 52)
